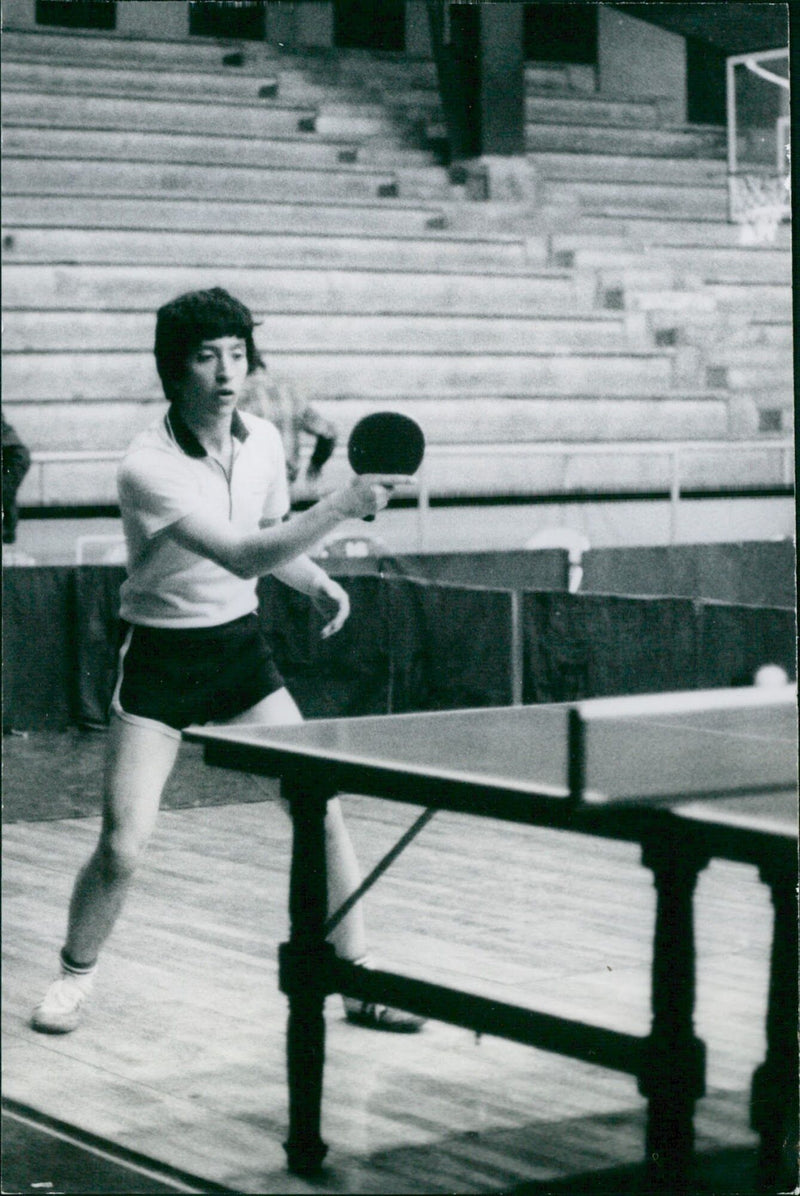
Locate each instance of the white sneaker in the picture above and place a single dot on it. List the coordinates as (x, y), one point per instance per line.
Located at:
(59, 1011)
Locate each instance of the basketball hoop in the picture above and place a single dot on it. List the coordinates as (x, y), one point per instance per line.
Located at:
(759, 174)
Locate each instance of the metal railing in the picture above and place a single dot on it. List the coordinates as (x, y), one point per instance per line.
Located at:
(677, 452)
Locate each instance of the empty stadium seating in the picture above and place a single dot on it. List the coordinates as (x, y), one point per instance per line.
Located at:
(615, 303)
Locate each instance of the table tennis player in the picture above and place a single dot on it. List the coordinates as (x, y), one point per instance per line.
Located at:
(203, 497)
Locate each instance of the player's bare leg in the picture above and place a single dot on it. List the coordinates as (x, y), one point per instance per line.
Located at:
(344, 876)
(138, 764)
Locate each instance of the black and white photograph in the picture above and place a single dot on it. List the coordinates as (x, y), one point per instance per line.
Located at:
(399, 648)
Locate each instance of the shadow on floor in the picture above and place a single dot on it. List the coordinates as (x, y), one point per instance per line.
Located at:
(723, 1173)
(46, 1158)
(50, 774)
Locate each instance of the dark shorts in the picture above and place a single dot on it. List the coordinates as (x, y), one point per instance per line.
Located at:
(194, 675)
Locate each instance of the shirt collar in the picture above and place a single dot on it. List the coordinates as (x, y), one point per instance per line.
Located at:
(185, 438)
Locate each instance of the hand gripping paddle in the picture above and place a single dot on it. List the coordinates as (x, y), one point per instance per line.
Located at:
(386, 442)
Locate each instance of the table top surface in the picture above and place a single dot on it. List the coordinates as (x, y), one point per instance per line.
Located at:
(737, 747)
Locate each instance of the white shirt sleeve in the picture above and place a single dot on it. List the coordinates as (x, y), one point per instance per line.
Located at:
(156, 491)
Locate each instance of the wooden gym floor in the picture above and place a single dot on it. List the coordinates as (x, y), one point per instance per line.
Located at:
(180, 1058)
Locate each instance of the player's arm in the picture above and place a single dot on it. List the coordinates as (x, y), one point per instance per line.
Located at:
(252, 554)
(325, 435)
(330, 599)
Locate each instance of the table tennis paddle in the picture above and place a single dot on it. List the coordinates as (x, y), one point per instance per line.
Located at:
(386, 442)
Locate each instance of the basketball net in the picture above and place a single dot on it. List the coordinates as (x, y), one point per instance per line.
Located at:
(759, 199)
(758, 204)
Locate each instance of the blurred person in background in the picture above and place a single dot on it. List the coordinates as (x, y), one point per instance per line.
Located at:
(294, 417)
(16, 463)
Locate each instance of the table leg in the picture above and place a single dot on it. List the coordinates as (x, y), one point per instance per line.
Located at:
(305, 968)
(773, 1098)
(673, 1068)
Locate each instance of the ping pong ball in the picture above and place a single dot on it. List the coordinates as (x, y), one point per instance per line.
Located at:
(771, 676)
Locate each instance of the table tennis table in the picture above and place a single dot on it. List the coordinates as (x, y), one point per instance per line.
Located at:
(689, 776)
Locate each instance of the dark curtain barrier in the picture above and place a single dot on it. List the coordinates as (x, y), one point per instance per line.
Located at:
(98, 638)
(736, 640)
(40, 649)
(750, 573)
(347, 674)
(545, 569)
(584, 645)
(408, 645)
(450, 647)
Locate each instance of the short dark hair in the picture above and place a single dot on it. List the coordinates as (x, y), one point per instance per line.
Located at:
(183, 323)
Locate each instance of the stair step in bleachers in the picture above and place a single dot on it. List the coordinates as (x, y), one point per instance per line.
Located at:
(714, 331)
(377, 217)
(420, 182)
(54, 110)
(356, 66)
(712, 300)
(589, 110)
(765, 299)
(236, 57)
(70, 427)
(361, 119)
(74, 177)
(294, 85)
(229, 248)
(774, 378)
(617, 279)
(256, 133)
(132, 376)
(756, 414)
(489, 418)
(689, 142)
(287, 152)
(664, 198)
(747, 265)
(643, 230)
(753, 333)
(537, 475)
(90, 46)
(629, 169)
(561, 76)
(122, 330)
(667, 302)
(504, 418)
(138, 82)
(386, 154)
(775, 332)
(758, 356)
(297, 151)
(307, 290)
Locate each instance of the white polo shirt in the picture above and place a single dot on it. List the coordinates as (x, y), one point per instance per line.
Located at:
(165, 475)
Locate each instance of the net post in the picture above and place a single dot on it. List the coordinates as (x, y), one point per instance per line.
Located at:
(517, 650)
(576, 755)
(674, 493)
(423, 506)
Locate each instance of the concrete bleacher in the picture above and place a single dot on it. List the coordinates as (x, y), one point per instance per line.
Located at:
(401, 218)
(615, 304)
